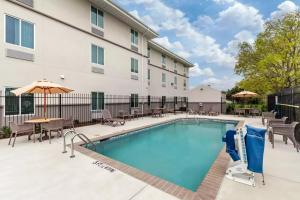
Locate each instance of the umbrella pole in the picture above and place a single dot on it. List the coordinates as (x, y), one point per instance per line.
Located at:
(45, 105)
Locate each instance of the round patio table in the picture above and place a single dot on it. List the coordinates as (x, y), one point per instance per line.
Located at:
(40, 121)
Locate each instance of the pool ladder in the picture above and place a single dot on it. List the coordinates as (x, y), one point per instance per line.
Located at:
(81, 136)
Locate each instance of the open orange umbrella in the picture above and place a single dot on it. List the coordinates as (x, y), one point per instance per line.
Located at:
(245, 94)
(42, 87)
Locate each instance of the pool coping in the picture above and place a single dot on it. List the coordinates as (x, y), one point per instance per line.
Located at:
(208, 189)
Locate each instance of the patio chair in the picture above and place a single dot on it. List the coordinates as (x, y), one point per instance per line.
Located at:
(254, 112)
(267, 116)
(69, 123)
(286, 130)
(137, 113)
(273, 122)
(125, 115)
(156, 113)
(108, 119)
(239, 112)
(191, 111)
(17, 129)
(212, 113)
(54, 126)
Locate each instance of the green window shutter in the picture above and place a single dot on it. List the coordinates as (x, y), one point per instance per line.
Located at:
(100, 101)
(94, 100)
(94, 54)
(27, 104)
(132, 36)
(136, 66)
(100, 19)
(132, 65)
(149, 74)
(100, 56)
(132, 100)
(136, 100)
(136, 38)
(94, 18)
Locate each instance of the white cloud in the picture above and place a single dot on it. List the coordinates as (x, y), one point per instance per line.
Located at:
(240, 16)
(284, 8)
(197, 71)
(146, 19)
(202, 46)
(242, 36)
(224, 1)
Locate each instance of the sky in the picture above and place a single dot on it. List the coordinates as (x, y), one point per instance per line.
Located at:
(207, 32)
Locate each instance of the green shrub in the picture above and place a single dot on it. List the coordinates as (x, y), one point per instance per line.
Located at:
(6, 131)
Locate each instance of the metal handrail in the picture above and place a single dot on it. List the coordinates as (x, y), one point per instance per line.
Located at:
(65, 135)
(84, 138)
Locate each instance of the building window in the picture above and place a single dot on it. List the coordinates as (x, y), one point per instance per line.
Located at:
(149, 74)
(97, 17)
(175, 81)
(97, 100)
(163, 59)
(134, 101)
(163, 77)
(18, 105)
(149, 100)
(175, 100)
(134, 65)
(184, 83)
(148, 52)
(134, 37)
(175, 64)
(19, 32)
(97, 55)
(163, 101)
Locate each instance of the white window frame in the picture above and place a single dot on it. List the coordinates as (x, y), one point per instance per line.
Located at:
(93, 25)
(20, 104)
(135, 59)
(20, 34)
(91, 55)
(97, 101)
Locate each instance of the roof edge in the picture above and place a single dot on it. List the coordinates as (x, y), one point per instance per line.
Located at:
(170, 53)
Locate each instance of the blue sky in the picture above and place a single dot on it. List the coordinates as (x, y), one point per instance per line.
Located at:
(207, 32)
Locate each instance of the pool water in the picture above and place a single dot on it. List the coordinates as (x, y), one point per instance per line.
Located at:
(180, 152)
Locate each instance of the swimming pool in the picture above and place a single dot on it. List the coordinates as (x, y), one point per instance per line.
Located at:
(180, 151)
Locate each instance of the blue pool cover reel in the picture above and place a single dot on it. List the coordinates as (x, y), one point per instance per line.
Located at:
(230, 145)
(255, 144)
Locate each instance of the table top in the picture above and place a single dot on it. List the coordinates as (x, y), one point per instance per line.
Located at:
(41, 120)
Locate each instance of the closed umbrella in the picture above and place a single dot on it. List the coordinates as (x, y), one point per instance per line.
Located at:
(42, 87)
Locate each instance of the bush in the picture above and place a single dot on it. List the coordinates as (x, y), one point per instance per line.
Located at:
(232, 106)
(6, 131)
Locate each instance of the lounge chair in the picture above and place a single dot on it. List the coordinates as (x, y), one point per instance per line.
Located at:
(107, 119)
(287, 131)
(17, 129)
(54, 126)
(267, 116)
(212, 113)
(156, 113)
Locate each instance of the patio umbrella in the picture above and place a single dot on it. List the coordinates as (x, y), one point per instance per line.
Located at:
(245, 94)
(42, 87)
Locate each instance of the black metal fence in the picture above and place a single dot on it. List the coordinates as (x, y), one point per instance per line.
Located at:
(286, 103)
(83, 108)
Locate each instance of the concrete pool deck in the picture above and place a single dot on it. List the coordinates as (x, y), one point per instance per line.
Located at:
(40, 171)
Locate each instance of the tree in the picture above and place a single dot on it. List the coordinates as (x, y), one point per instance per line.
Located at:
(273, 61)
